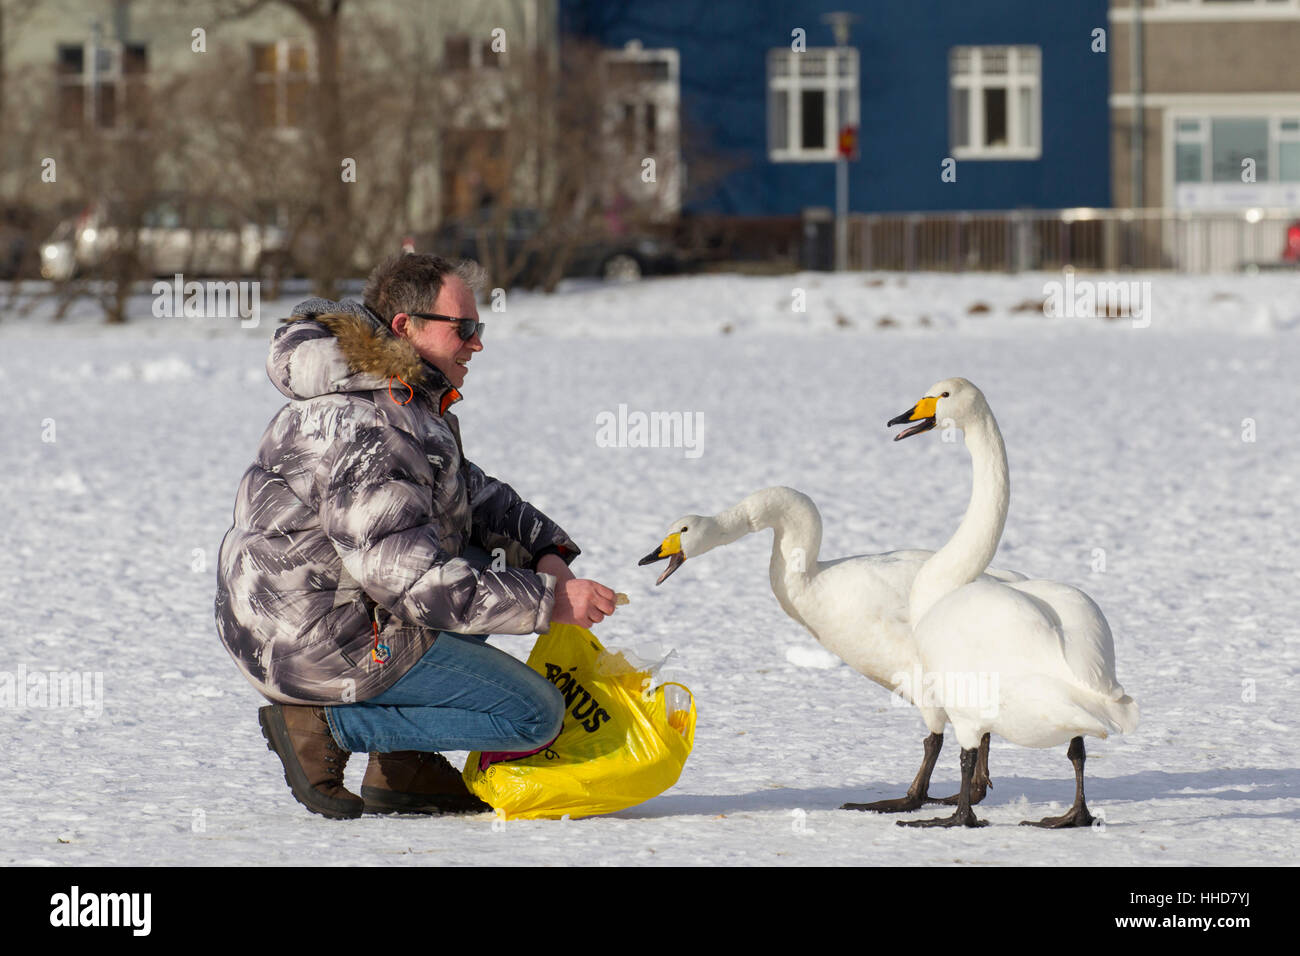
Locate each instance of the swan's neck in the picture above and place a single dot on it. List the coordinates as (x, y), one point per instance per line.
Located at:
(970, 550)
(797, 538)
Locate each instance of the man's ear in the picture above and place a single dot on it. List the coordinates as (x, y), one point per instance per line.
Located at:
(400, 324)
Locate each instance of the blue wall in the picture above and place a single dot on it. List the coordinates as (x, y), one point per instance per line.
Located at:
(903, 51)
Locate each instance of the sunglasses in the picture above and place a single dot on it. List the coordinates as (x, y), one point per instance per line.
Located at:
(465, 328)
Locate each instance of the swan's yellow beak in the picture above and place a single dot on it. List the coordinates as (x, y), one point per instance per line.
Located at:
(671, 549)
(923, 412)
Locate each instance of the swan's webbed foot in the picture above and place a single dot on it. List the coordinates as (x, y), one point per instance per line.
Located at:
(1077, 816)
(897, 805)
(963, 817)
(917, 793)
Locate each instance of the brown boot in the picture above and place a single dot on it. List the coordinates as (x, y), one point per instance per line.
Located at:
(313, 762)
(412, 781)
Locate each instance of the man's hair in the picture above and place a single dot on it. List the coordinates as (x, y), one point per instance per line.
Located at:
(408, 282)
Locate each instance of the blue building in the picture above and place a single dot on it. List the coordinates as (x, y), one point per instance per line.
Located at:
(1015, 91)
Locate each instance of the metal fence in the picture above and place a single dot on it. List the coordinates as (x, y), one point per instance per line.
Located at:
(1104, 239)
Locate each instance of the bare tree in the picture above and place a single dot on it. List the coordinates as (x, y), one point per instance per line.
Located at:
(206, 144)
(323, 140)
(21, 222)
(119, 171)
(575, 163)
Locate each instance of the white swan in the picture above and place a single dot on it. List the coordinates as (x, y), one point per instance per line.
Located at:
(1031, 661)
(855, 607)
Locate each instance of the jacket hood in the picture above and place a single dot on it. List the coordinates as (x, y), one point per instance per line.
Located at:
(326, 347)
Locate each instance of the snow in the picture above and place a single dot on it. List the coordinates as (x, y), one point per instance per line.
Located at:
(815, 657)
(1132, 477)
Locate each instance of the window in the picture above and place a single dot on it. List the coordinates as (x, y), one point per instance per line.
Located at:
(642, 87)
(811, 96)
(461, 52)
(995, 109)
(642, 93)
(106, 87)
(1288, 150)
(1211, 149)
(1191, 137)
(1234, 141)
(455, 53)
(282, 75)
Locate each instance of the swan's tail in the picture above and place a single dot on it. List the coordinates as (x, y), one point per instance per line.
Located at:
(1111, 715)
(1123, 713)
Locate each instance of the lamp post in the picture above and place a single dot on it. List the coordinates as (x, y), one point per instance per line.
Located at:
(846, 147)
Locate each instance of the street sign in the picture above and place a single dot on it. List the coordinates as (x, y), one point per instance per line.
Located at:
(849, 141)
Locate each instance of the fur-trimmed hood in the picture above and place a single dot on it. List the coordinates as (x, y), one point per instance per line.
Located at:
(326, 347)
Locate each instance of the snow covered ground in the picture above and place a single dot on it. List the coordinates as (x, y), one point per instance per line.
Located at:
(1168, 452)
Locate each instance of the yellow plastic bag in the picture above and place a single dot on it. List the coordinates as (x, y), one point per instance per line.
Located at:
(623, 741)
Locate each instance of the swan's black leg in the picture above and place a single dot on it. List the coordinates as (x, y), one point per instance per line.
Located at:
(981, 784)
(917, 793)
(964, 815)
(1078, 815)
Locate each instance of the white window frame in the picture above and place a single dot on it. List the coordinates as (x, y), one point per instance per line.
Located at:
(1199, 136)
(976, 81)
(665, 96)
(115, 55)
(1276, 136)
(280, 77)
(793, 82)
(1208, 194)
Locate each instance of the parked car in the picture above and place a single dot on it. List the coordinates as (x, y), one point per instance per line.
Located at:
(623, 258)
(172, 234)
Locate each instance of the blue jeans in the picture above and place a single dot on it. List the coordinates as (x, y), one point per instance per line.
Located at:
(463, 694)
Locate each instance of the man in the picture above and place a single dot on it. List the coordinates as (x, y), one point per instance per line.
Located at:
(344, 590)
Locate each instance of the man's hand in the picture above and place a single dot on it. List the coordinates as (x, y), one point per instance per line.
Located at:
(581, 602)
(554, 564)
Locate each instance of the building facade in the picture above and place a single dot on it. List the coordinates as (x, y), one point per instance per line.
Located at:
(1205, 102)
(1014, 94)
(74, 69)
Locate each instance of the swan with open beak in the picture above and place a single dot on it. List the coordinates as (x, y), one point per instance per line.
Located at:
(922, 412)
(670, 549)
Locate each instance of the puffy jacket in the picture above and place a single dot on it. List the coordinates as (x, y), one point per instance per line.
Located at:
(357, 511)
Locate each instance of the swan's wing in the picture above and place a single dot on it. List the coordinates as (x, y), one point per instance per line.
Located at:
(987, 626)
(1007, 577)
(1087, 643)
(889, 563)
(871, 582)
(857, 609)
(906, 555)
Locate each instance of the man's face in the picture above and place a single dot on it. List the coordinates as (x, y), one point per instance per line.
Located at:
(439, 342)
